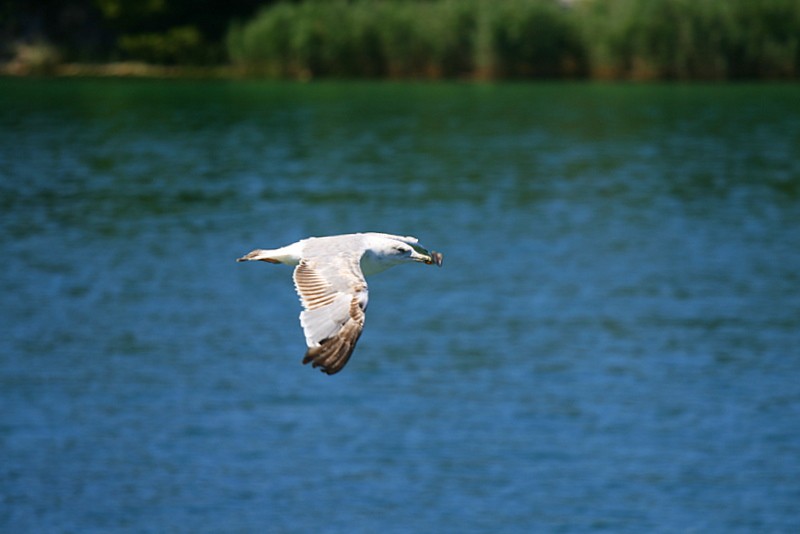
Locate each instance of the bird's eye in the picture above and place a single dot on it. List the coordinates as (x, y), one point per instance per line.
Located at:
(401, 250)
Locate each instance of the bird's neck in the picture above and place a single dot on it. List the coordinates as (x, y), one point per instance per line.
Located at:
(372, 263)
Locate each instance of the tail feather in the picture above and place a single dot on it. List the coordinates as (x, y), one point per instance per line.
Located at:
(259, 255)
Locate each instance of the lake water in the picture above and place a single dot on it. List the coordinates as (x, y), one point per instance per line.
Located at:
(612, 344)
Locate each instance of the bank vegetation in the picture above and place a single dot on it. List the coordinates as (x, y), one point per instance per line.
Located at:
(498, 39)
(400, 39)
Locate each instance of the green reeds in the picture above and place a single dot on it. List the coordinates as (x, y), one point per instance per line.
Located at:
(357, 39)
(692, 39)
(648, 39)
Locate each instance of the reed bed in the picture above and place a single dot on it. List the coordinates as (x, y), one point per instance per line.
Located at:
(507, 39)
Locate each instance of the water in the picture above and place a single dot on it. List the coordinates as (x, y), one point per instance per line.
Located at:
(612, 345)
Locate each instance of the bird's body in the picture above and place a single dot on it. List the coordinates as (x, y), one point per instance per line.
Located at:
(329, 277)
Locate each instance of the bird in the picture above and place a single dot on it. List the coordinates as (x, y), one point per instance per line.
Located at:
(330, 280)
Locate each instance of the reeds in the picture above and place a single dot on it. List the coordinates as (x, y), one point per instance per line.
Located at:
(692, 39)
(649, 39)
(357, 39)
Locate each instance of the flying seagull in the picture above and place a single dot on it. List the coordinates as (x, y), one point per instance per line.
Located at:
(329, 277)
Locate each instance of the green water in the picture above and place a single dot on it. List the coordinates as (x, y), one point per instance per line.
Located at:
(613, 343)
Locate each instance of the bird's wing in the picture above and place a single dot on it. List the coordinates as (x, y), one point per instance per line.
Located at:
(334, 297)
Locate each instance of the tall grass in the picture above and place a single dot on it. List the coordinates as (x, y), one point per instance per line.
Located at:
(663, 39)
(363, 38)
(692, 39)
(528, 39)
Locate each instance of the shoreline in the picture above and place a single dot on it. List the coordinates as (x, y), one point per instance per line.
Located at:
(141, 70)
(123, 69)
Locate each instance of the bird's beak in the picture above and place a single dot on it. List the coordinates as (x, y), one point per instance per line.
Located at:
(432, 258)
(428, 258)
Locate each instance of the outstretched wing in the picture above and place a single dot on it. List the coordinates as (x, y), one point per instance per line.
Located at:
(334, 298)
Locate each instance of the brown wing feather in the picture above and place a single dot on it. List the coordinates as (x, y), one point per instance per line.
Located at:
(314, 290)
(316, 293)
(333, 353)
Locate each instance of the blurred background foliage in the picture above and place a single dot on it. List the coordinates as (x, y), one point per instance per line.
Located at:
(167, 32)
(488, 39)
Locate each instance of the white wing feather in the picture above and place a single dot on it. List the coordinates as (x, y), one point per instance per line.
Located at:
(334, 298)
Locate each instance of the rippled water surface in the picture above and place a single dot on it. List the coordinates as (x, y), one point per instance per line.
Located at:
(612, 345)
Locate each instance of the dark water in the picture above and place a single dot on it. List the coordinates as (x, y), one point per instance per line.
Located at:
(612, 345)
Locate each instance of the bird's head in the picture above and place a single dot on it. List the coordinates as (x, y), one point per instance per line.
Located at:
(386, 251)
(414, 252)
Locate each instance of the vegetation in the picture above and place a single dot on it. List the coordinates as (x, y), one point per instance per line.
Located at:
(484, 39)
(163, 32)
(444, 38)
(640, 39)
(692, 39)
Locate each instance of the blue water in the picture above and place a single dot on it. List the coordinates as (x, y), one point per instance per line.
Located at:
(612, 344)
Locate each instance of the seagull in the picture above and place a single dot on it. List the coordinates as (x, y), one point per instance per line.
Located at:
(329, 277)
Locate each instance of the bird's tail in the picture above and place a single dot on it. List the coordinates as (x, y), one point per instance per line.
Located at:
(259, 255)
